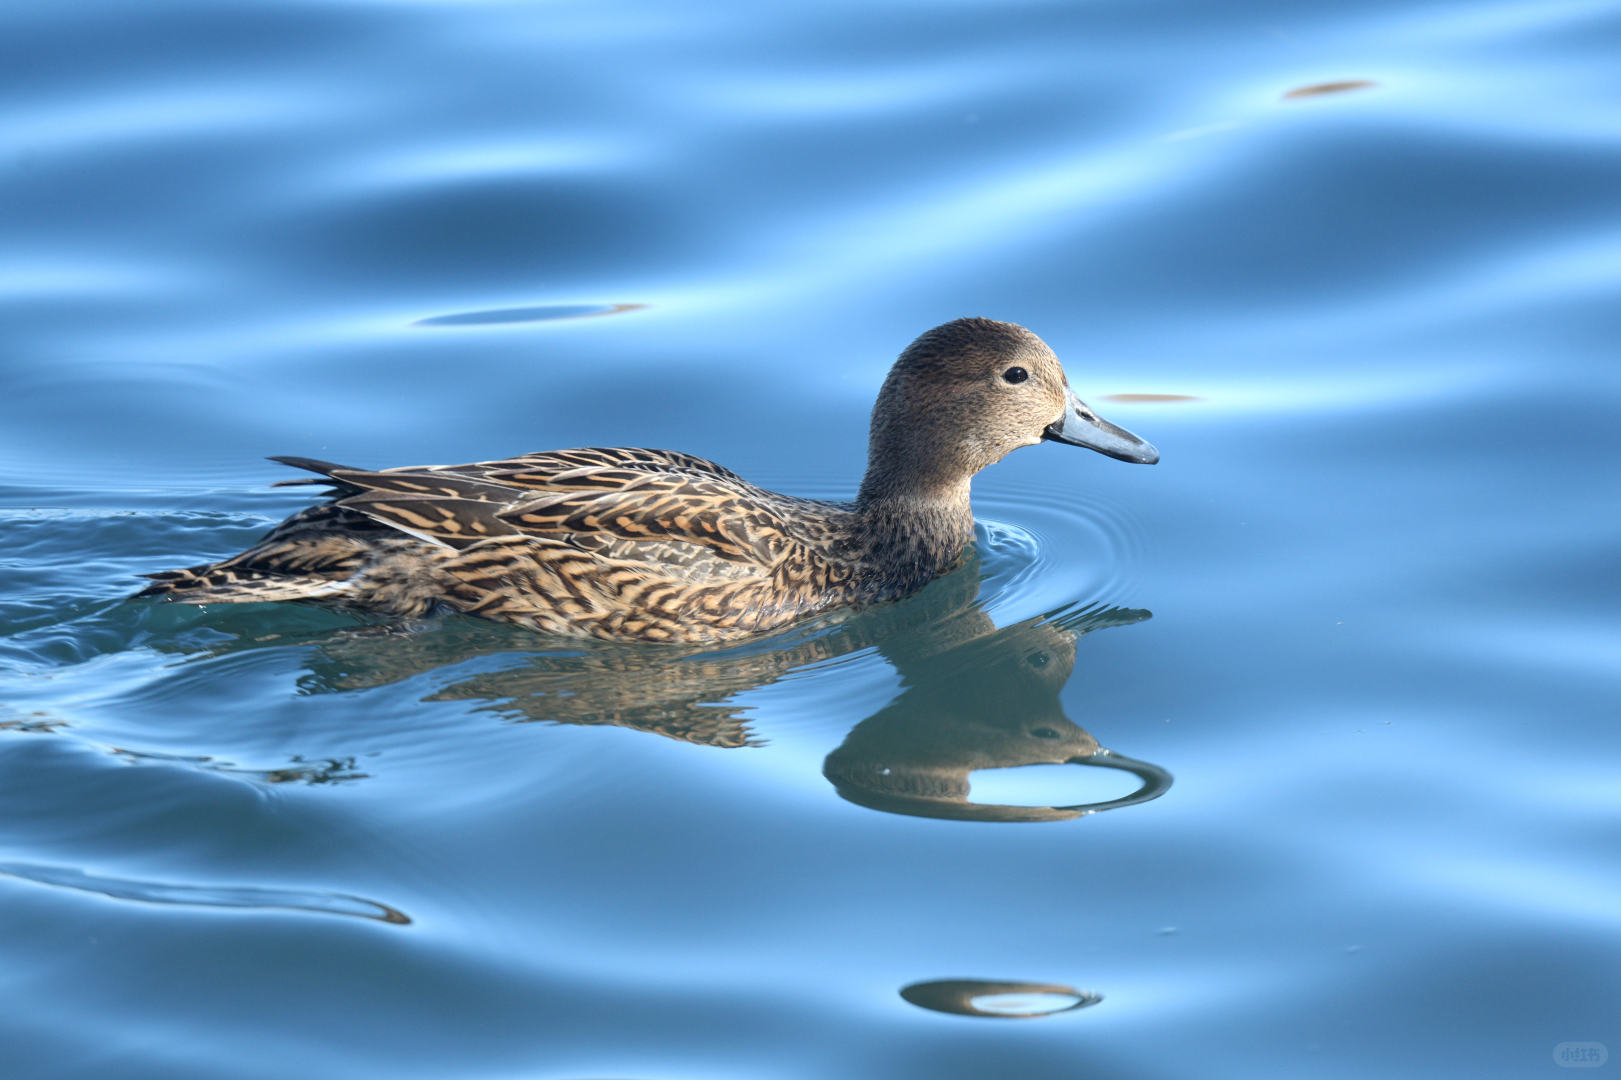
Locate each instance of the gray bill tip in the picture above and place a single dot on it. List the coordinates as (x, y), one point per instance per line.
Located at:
(1080, 426)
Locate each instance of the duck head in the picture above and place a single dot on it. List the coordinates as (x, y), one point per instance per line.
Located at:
(966, 394)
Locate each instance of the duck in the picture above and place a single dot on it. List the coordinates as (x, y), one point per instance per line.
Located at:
(642, 545)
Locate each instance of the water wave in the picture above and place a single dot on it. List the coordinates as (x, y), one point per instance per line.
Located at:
(219, 896)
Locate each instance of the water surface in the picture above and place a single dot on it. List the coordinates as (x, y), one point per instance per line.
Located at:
(1292, 755)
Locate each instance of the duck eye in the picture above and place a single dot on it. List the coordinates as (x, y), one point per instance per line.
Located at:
(1015, 375)
(1044, 733)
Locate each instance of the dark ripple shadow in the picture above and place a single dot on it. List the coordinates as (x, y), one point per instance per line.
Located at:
(1324, 89)
(542, 313)
(998, 999)
(225, 896)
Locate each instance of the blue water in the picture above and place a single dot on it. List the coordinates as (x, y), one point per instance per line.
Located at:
(1363, 612)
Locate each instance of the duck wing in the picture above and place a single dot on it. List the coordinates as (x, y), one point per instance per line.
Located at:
(668, 509)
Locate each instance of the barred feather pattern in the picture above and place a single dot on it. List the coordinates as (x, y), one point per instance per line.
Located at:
(610, 543)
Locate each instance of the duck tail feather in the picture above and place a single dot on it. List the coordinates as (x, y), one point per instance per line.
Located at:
(217, 584)
(309, 464)
(314, 465)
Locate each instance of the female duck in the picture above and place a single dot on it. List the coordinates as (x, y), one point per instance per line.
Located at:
(654, 545)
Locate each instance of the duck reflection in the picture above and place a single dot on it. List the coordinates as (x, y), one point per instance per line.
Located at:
(686, 696)
(975, 696)
(991, 702)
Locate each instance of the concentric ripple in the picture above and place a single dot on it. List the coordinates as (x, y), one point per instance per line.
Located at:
(1039, 555)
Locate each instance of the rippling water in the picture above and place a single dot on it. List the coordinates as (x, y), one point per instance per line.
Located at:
(1353, 267)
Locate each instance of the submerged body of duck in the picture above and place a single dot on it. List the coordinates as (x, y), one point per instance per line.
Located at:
(654, 545)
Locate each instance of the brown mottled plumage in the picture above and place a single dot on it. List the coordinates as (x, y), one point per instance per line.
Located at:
(654, 545)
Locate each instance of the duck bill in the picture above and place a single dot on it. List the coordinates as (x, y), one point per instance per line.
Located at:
(1080, 426)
